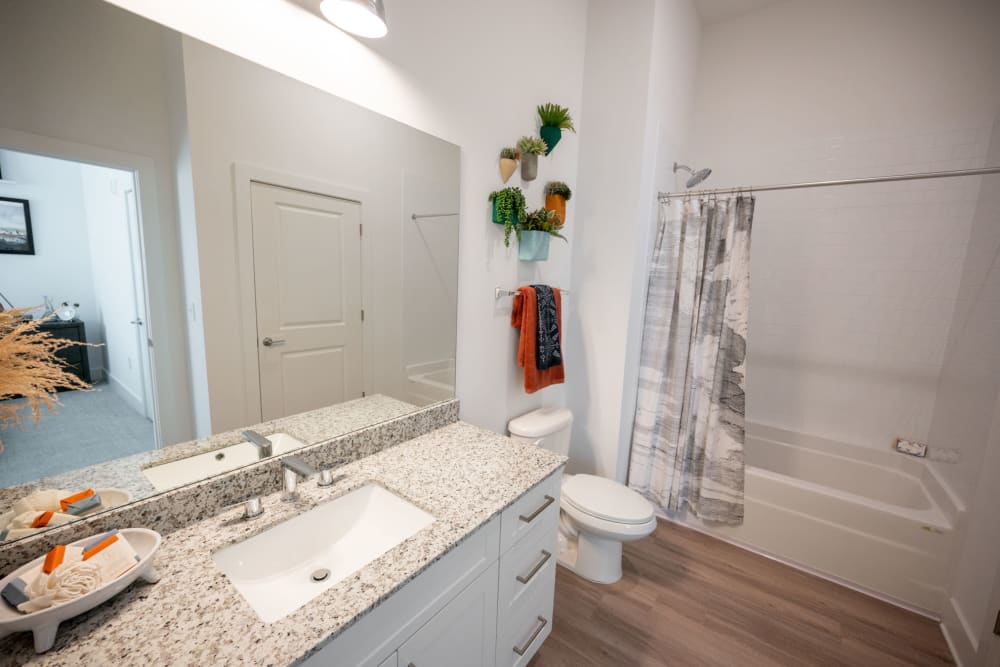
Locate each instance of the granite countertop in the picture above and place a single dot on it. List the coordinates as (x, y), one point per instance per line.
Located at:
(461, 474)
(126, 472)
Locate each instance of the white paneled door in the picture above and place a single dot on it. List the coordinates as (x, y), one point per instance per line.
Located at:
(307, 281)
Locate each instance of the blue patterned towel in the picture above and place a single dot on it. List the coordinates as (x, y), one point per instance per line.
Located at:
(548, 351)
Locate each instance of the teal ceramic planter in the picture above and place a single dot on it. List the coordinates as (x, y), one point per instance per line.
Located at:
(533, 246)
(496, 216)
(551, 135)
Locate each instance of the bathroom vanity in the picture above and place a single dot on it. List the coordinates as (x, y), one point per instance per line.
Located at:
(486, 602)
(473, 587)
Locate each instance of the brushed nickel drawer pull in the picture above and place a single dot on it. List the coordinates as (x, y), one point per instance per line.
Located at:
(531, 517)
(521, 650)
(525, 578)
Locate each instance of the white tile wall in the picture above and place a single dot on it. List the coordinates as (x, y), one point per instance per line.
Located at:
(854, 288)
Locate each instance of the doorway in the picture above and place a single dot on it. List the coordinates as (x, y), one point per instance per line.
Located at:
(85, 277)
(308, 299)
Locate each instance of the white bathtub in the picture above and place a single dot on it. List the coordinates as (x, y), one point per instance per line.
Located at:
(875, 519)
(431, 382)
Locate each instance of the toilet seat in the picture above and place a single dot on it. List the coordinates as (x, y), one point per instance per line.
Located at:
(606, 501)
(620, 532)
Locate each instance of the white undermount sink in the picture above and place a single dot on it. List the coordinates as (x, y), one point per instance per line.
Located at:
(288, 565)
(196, 468)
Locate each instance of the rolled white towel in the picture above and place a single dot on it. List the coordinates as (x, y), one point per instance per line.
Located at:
(67, 582)
(44, 500)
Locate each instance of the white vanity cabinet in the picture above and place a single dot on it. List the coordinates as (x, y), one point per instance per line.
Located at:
(486, 603)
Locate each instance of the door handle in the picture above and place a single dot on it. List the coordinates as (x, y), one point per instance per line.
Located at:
(268, 341)
(136, 321)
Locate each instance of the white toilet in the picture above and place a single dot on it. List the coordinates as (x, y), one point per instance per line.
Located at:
(598, 514)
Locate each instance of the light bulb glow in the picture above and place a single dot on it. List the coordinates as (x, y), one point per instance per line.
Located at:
(364, 18)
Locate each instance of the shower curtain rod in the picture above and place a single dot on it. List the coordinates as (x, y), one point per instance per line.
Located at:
(849, 181)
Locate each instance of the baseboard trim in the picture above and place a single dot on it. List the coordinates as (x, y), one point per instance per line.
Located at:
(961, 638)
(134, 402)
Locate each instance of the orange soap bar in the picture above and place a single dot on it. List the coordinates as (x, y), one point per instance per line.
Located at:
(66, 502)
(54, 559)
(100, 546)
(42, 520)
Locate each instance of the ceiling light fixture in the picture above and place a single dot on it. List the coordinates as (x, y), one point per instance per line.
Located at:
(364, 18)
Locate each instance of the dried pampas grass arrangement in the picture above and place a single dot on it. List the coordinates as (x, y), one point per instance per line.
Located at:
(30, 369)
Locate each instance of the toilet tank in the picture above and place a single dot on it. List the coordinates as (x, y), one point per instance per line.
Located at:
(549, 427)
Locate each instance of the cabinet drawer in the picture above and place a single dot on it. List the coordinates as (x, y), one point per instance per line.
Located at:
(523, 567)
(536, 506)
(523, 629)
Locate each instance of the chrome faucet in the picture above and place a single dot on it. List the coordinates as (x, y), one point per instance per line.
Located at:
(262, 444)
(294, 467)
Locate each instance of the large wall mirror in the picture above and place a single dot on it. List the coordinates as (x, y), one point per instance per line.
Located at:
(238, 246)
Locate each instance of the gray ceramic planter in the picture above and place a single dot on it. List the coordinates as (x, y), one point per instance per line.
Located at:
(529, 167)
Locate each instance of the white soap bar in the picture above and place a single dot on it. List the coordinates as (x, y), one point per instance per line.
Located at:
(113, 557)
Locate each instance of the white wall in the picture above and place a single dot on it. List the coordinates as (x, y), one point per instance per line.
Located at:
(110, 248)
(61, 266)
(104, 105)
(966, 417)
(970, 377)
(429, 278)
(645, 53)
(853, 288)
(458, 84)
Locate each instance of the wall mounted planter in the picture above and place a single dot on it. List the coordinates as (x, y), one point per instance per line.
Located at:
(529, 166)
(533, 246)
(496, 216)
(507, 168)
(551, 135)
(557, 203)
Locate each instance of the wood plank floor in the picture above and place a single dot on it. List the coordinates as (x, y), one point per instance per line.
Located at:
(689, 599)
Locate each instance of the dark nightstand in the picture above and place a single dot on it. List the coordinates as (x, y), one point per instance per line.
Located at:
(75, 356)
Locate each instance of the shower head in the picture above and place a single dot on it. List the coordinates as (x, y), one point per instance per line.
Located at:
(696, 177)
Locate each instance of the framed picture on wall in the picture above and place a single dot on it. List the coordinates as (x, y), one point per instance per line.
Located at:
(15, 227)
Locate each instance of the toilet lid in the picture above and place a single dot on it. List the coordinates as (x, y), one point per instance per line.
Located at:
(606, 499)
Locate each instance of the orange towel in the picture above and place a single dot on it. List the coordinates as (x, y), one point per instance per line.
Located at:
(525, 316)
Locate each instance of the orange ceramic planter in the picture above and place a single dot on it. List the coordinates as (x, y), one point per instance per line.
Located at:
(558, 204)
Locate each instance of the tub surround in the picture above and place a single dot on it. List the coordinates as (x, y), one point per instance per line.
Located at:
(172, 510)
(309, 427)
(461, 474)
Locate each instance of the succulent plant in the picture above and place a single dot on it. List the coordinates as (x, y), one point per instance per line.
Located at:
(510, 209)
(540, 220)
(508, 153)
(532, 145)
(558, 188)
(554, 115)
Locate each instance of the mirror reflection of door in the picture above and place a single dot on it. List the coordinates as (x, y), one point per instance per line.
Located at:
(307, 282)
(88, 255)
(142, 336)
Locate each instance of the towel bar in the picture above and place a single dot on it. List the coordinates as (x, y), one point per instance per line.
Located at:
(420, 216)
(500, 292)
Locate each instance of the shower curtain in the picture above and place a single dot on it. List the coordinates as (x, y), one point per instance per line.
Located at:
(687, 441)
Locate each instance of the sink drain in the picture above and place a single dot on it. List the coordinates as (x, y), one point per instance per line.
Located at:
(320, 575)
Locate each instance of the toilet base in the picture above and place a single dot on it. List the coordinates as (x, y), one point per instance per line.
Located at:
(594, 558)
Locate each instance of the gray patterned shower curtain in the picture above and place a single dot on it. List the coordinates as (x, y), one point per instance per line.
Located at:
(687, 441)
